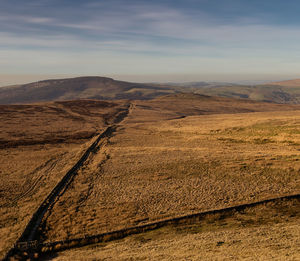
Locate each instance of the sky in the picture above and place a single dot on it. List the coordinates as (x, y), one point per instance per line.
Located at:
(167, 40)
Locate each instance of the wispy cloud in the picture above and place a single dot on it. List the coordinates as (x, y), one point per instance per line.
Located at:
(148, 34)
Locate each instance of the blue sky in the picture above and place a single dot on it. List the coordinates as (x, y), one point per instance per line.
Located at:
(140, 38)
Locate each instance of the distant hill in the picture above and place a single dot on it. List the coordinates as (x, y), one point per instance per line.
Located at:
(289, 83)
(187, 104)
(102, 88)
(287, 92)
(265, 93)
(80, 88)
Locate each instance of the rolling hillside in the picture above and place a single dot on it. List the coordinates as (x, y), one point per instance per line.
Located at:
(102, 88)
(267, 93)
(79, 88)
(288, 83)
(165, 157)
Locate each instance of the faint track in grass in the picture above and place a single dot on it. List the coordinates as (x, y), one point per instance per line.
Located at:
(31, 186)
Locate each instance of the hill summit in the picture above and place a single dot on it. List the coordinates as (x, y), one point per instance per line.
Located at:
(79, 88)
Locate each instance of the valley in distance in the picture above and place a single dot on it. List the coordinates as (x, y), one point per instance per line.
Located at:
(97, 169)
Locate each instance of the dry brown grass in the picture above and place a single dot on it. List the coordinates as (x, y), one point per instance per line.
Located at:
(154, 169)
(39, 144)
(265, 232)
(55, 122)
(157, 164)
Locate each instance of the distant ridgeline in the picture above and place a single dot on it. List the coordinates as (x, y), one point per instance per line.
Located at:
(108, 89)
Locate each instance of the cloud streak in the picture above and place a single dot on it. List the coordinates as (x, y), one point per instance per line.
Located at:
(153, 37)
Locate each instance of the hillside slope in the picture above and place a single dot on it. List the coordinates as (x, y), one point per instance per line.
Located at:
(265, 93)
(102, 88)
(39, 143)
(79, 88)
(288, 83)
(168, 153)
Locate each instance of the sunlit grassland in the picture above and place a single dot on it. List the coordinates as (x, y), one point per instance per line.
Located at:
(163, 169)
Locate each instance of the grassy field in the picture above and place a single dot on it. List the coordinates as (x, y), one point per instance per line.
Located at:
(171, 156)
(154, 168)
(267, 232)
